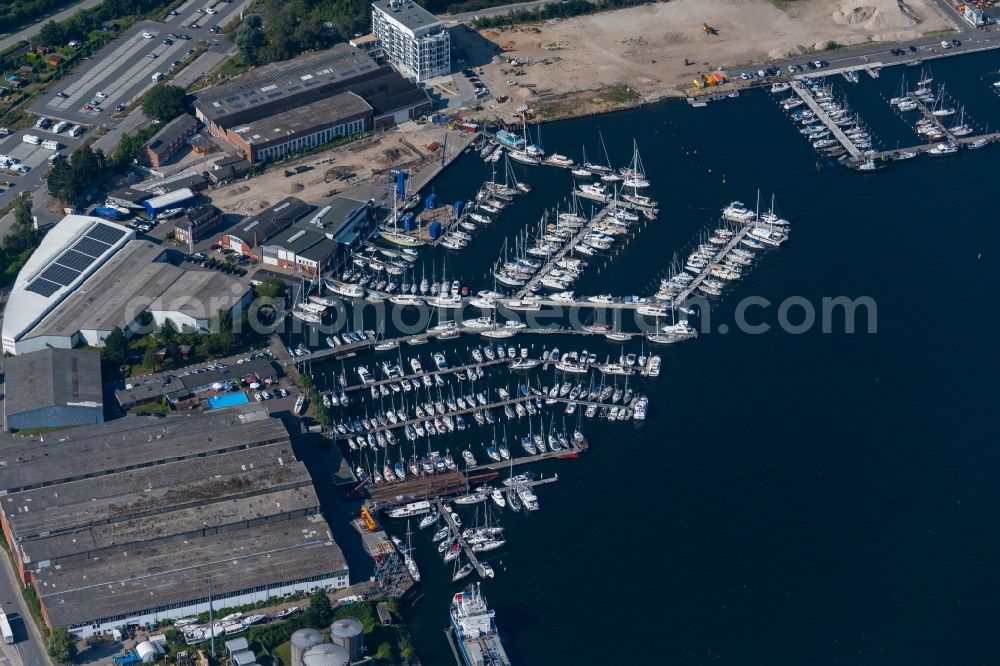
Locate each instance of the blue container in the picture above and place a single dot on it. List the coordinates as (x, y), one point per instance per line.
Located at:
(434, 230)
(431, 200)
(409, 223)
(109, 213)
(458, 208)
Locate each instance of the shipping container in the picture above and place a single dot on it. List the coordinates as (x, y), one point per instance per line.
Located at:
(434, 230)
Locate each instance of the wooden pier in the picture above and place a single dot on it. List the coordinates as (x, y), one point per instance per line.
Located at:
(992, 137)
(515, 461)
(364, 345)
(824, 117)
(929, 116)
(445, 371)
(456, 535)
(719, 256)
(551, 262)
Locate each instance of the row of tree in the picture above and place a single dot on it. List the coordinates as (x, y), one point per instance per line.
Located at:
(19, 243)
(566, 9)
(286, 28)
(15, 13)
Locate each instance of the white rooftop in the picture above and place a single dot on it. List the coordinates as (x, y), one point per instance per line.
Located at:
(58, 271)
(407, 13)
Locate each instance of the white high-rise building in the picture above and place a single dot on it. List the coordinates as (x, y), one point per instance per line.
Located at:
(413, 39)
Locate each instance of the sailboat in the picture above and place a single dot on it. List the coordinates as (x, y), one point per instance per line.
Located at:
(525, 155)
(582, 171)
(634, 174)
(395, 236)
(461, 572)
(411, 565)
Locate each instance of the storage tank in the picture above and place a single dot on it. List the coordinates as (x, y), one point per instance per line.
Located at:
(302, 640)
(349, 634)
(326, 654)
(147, 652)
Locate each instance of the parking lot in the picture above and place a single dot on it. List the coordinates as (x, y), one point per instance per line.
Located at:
(33, 157)
(120, 72)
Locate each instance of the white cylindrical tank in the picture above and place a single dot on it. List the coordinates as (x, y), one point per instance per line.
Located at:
(302, 640)
(147, 652)
(326, 654)
(349, 634)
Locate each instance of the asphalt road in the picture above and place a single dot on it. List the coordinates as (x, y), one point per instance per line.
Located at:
(27, 649)
(33, 29)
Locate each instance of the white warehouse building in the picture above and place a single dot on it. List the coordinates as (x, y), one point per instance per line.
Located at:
(414, 40)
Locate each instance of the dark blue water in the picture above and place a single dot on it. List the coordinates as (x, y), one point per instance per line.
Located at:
(810, 498)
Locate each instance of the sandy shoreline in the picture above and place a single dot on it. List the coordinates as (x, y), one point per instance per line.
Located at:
(616, 59)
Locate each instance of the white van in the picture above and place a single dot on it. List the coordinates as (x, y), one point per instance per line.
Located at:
(32, 139)
(51, 145)
(158, 76)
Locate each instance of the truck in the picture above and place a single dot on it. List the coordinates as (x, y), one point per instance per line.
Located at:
(51, 145)
(8, 635)
(32, 139)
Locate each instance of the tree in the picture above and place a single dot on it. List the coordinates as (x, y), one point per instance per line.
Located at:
(320, 612)
(271, 287)
(280, 31)
(61, 646)
(128, 148)
(22, 213)
(164, 102)
(149, 359)
(250, 39)
(115, 347)
(384, 652)
(70, 178)
(53, 34)
(168, 332)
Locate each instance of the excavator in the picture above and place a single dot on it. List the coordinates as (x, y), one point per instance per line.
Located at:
(709, 30)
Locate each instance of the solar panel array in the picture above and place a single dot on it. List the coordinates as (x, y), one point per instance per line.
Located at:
(71, 263)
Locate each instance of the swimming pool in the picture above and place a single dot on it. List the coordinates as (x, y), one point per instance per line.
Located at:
(228, 400)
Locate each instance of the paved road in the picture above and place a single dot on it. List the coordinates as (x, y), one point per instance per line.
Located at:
(32, 30)
(28, 647)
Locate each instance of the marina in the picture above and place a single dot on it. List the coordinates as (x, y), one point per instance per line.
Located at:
(639, 451)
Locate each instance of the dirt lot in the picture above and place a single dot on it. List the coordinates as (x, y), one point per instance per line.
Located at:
(644, 53)
(340, 169)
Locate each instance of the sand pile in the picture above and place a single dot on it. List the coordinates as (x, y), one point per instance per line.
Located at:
(875, 15)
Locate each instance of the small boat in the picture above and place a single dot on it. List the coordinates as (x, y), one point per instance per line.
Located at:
(428, 520)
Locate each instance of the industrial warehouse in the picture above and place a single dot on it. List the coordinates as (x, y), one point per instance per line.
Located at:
(111, 539)
(286, 107)
(89, 277)
(290, 236)
(53, 388)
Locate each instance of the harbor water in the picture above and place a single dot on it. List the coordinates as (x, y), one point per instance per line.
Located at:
(792, 497)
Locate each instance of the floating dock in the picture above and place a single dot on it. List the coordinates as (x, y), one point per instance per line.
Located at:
(716, 260)
(824, 117)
